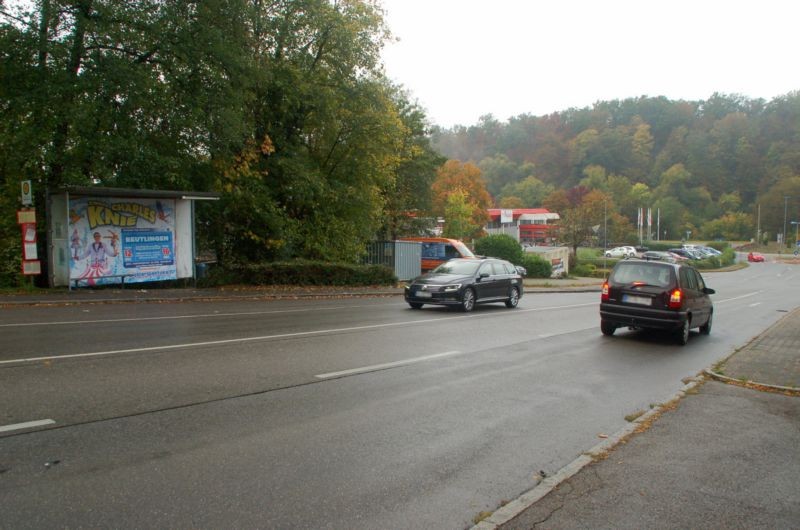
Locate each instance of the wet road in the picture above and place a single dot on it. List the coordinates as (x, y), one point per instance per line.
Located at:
(326, 413)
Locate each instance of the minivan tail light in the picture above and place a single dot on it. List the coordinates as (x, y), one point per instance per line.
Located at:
(675, 299)
(604, 294)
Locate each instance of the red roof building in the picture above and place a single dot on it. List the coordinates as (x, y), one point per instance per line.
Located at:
(527, 225)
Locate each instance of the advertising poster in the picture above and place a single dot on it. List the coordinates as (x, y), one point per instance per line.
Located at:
(111, 238)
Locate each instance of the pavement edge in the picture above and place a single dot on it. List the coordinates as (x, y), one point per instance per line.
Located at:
(514, 508)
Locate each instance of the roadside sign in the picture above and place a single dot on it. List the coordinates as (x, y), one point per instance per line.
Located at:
(27, 215)
(31, 267)
(27, 193)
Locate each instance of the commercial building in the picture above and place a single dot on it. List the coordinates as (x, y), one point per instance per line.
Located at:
(529, 226)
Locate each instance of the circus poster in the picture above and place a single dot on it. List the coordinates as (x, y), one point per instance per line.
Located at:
(115, 240)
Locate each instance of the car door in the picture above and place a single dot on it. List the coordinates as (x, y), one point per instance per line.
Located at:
(485, 284)
(704, 303)
(502, 278)
(694, 297)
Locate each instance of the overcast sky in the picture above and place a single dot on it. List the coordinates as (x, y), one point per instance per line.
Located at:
(462, 59)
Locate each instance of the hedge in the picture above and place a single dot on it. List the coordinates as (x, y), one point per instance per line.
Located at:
(301, 272)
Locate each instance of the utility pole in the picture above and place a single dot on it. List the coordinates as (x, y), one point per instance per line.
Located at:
(785, 202)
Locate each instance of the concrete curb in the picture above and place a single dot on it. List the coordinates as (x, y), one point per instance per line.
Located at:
(725, 379)
(529, 498)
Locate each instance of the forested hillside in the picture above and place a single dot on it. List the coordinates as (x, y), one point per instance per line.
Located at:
(705, 165)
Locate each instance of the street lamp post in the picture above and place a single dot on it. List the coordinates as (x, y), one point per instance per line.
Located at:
(785, 202)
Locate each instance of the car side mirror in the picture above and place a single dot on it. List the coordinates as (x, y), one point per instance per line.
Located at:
(708, 290)
(484, 275)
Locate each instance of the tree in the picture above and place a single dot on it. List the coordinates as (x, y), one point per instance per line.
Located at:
(531, 191)
(459, 213)
(455, 177)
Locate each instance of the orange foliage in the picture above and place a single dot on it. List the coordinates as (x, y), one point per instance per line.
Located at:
(466, 177)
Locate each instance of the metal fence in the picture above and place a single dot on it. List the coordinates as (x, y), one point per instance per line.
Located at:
(403, 257)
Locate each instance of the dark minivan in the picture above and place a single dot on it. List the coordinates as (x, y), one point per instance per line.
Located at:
(656, 295)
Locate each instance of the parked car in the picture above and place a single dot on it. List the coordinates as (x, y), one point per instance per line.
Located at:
(686, 253)
(643, 294)
(755, 257)
(659, 255)
(712, 251)
(466, 282)
(620, 252)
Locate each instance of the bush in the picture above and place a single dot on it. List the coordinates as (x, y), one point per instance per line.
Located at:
(585, 270)
(536, 266)
(501, 246)
(301, 272)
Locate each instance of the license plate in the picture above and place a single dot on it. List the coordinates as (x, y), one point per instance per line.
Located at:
(641, 300)
(423, 294)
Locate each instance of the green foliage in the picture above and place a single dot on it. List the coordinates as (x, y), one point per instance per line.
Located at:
(300, 272)
(584, 270)
(500, 246)
(459, 213)
(281, 107)
(536, 266)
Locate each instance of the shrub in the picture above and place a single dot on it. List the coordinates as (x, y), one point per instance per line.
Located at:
(301, 272)
(585, 270)
(536, 266)
(500, 246)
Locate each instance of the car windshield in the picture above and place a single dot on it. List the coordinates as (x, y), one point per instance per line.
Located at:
(463, 267)
(646, 273)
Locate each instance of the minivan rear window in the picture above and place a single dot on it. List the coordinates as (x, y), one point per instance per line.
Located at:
(628, 272)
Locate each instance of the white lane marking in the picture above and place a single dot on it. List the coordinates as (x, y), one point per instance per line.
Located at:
(753, 305)
(26, 425)
(376, 367)
(173, 317)
(268, 337)
(748, 295)
(549, 335)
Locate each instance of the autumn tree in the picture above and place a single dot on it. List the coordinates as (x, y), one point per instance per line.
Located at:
(457, 177)
(459, 214)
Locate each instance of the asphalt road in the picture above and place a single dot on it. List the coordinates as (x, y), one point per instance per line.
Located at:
(328, 413)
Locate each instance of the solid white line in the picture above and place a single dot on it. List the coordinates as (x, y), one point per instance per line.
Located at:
(753, 305)
(268, 337)
(549, 335)
(384, 366)
(26, 425)
(748, 295)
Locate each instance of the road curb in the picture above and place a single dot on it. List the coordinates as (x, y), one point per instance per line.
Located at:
(725, 379)
(514, 508)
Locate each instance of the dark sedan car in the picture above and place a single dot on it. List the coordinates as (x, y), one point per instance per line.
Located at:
(656, 295)
(466, 282)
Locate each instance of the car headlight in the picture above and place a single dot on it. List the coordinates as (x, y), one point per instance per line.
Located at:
(452, 288)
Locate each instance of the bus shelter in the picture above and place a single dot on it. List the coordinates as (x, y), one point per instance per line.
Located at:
(100, 236)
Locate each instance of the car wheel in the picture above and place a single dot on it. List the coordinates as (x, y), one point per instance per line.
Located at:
(607, 328)
(513, 298)
(468, 300)
(415, 305)
(683, 334)
(706, 328)
(608, 254)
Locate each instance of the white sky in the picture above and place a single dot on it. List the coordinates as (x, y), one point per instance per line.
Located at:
(462, 59)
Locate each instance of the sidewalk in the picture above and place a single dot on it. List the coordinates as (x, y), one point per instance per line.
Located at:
(719, 456)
